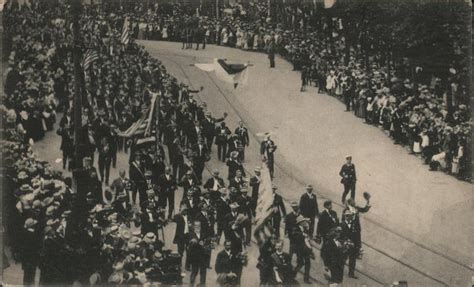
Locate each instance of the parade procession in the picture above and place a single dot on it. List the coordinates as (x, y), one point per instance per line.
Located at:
(215, 143)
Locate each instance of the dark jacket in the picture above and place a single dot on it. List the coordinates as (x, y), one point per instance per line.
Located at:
(326, 223)
(309, 206)
(179, 235)
(348, 173)
(278, 203)
(243, 135)
(234, 165)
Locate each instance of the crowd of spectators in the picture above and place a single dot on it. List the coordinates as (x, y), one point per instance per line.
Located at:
(412, 108)
(90, 233)
(102, 236)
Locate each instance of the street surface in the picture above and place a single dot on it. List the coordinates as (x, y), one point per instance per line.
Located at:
(419, 225)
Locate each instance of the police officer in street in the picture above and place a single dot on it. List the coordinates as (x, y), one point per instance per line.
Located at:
(348, 178)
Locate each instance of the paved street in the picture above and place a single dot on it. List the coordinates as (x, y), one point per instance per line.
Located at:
(416, 215)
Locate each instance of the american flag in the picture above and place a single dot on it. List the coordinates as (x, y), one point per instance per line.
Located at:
(89, 57)
(143, 125)
(125, 32)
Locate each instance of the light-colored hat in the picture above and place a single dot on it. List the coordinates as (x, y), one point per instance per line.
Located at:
(149, 238)
(30, 222)
(300, 219)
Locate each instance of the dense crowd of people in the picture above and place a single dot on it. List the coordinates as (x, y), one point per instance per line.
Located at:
(106, 230)
(411, 109)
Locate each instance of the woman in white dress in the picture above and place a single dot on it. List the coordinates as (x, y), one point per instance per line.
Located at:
(164, 33)
(331, 82)
(239, 41)
(225, 37)
(256, 41)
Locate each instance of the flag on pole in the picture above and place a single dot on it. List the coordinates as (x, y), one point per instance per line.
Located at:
(89, 57)
(143, 125)
(264, 208)
(231, 73)
(125, 32)
(329, 3)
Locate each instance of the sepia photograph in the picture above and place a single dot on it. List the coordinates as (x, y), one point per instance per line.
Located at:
(236, 143)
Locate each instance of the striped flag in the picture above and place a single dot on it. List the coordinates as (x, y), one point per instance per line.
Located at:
(89, 57)
(143, 125)
(264, 208)
(125, 32)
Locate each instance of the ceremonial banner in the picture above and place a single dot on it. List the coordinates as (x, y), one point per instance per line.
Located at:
(143, 125)
(90, 56)
(125, 32)
(231, 73)
(264, 208)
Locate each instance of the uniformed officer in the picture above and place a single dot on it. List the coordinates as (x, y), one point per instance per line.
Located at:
(348, 174)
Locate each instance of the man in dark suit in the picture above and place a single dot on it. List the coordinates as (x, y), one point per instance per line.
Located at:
(222, 137)
(334, 256)
(327, 221)
(137, 176)
(119, 184)
(245, 203)
(202, 156)
(302, 245)
(238, 181)
(243, 136)
(194, 132)
(191, 200)
(282, 270)
(234, 164)
(225, 266)
(157, 167)
(255, 184)
(209, 128)
(279, 211)
(30, 246)
(234, 145)
(188, 181)
(267, 149)
(67, 146)
(167, 186)
(121, 205)
(206, 218)
(222, 209)
(183, 226)
(290, 224)
(309, 207)
(351, 231)
(348, 178)
(214, 184)
(197, 252)
(150, 219)
(207, 226)
(105, 160)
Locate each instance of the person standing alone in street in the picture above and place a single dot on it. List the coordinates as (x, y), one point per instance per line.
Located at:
(348, 174)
